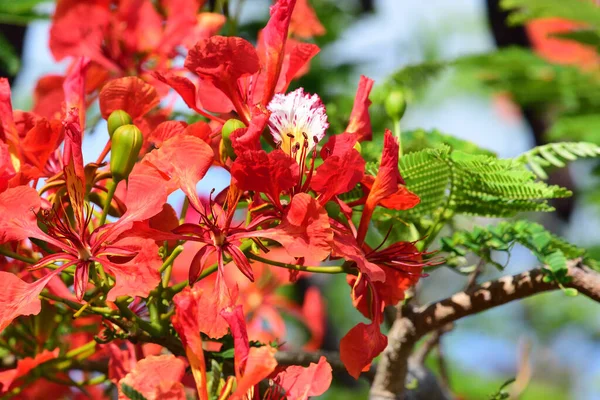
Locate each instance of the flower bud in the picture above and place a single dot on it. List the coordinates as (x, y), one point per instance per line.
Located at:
(116, 119)
(395, 104)
(231, 125)
(126, 144)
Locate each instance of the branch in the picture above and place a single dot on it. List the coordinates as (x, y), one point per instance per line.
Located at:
(414, 323)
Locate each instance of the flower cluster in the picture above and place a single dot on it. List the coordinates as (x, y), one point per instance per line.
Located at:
(155, 291)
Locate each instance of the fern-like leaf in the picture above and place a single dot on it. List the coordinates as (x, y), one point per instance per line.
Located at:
(556, 154)
(551, 250)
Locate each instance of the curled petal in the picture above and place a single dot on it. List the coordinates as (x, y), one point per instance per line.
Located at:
(360, 346)
(360, 121)
(260, 364)
(235, 318)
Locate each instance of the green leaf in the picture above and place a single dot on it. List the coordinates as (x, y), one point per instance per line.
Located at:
(8, 57)
(574, 10)
(556, 154)
(131, 393)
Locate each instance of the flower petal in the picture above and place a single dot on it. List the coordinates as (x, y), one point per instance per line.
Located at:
(360, 346)
(299, 382)
(152, 372)
(130, 94)
(360, 121)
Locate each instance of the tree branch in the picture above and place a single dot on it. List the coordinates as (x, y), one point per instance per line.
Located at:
(414, 323)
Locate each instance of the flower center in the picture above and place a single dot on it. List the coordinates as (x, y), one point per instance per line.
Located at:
(298, 122)
(84, 253)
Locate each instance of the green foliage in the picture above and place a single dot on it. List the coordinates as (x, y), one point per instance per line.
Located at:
(550, 250)
(576, 10)
(454, 181)
(556, 154)
(8, 57)
(20, 12)
(583, 127)
(131, 393)
(532, 81)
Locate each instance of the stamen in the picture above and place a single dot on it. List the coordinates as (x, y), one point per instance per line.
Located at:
(296, 117)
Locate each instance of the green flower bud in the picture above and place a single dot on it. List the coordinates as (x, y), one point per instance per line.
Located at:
(116, 119)
(225, 147)
(126, 144)
(395, 104)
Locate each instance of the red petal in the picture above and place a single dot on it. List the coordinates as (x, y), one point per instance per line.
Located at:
(182, 85)
(74, 88)
(249, 138)
(151, 373)
(337, 175)
(120, 362)
(305, 23)
(78, 30)
(222, 61)
(40, 142)
(138, 276)
(272, 45)
(48, 96)
(267, 173)
(18, 208)
(314, 313)
(360, 121)
(345, 245)
(73, 165)
(165, 131)
(260, 364)
(295, 62)
(184, 160)
(360, 346)
(198, 263)
(7, 123)
(146, 195)
(130, 94)
(304, 231)
(18, 297)
(23, 367)
(198, 310)
(299, 383)
(237, 324)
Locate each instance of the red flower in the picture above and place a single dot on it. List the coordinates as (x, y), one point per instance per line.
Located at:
(242, 75)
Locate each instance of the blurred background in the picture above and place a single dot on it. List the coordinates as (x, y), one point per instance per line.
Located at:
(558, 336)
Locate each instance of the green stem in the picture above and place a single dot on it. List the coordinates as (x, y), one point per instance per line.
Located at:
(91, 345)
(112, 187)
(184, 210)
(9, 253)
(104, 311)
(398, 134)
(338, 269)
(168, 264)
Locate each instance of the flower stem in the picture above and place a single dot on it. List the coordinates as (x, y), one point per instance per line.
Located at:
(398, 134)
(167, 266)
(338, 269)
(184, 209)
(9, 253)
(112, 187)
